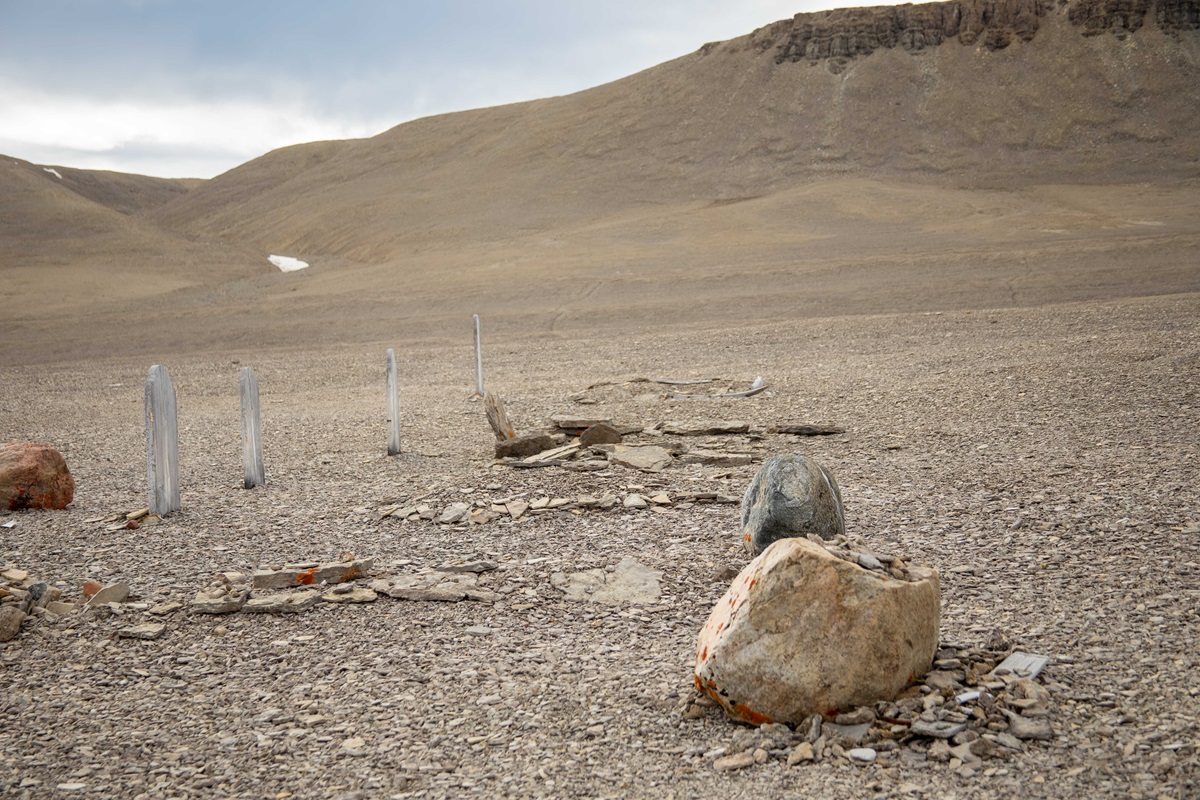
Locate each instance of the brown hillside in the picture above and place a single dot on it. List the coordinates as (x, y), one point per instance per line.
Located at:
(943, 156)
(128, 194)
(1015, 93)
(70, 243)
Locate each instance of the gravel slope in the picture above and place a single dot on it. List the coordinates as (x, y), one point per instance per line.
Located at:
(1043, 459)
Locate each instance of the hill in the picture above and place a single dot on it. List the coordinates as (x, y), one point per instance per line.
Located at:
(947, 155)
(963, 94)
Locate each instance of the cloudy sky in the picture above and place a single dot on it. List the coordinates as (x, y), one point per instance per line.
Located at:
(191, 88)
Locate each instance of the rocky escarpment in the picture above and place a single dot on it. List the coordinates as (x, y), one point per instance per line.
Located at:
(847, 33)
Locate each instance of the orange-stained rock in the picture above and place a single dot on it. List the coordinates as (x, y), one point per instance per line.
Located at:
(90, 588)
(802, 632)
(33, 476)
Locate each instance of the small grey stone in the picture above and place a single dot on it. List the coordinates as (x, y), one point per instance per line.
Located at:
(937, 730)
(854, 733)
(803, 752)
(290, 603)
(11, 618)
(859, 716)
(147, 630)
(863, 755)
(813, 729)
(735, 761)
(868, 561)
(455, 512)
(470, 566)
(350, 594)
(942, 679)
(1025, 728)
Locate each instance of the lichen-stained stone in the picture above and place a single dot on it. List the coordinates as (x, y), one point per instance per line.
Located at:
(791, 495)
(802, 632)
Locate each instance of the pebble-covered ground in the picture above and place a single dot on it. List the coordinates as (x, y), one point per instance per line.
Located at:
(1044, 460)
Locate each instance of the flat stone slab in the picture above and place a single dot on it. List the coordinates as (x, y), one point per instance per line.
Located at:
(705, 428)
(647, 458)
(1023, 665)
(435, 586)
(717, 458)
(937, 730)
(358, 594)
(578, 424)
(147, 630)
(631, 582)
(290, 603)
(311, 574)
(216, 601)
(113, 593)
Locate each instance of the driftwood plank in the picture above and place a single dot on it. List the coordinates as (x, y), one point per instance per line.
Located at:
(755, 388)
(807, 430)
(550, 455)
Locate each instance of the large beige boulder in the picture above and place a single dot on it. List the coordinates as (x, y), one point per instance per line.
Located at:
(33, 476)
(803, 632)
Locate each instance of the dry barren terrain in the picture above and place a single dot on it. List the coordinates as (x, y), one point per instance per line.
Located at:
(1042, 459)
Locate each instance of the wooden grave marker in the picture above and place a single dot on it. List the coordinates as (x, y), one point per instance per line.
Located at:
(162, 442)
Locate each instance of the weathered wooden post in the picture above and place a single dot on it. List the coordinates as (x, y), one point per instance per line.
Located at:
(478, 360)
(252, 459)
(162, 442)
(393, 405)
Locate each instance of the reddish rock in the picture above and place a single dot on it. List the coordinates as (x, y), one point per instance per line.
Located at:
(33, 476)
(90, 588)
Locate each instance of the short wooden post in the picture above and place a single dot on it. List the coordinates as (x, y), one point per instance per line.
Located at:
(162, 442)
(393, 405)
(497, 417)
(478, 360)
(252, 459)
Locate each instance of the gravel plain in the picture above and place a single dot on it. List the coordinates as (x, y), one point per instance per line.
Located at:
(1043, 459)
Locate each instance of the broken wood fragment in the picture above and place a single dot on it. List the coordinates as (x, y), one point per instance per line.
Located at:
(755, 388)
(707, 428)
(1022, 665)
(497, 417)
(807, 430)
(548, 455)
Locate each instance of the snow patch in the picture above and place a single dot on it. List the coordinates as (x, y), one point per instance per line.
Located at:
(287, 263)
(53, 172)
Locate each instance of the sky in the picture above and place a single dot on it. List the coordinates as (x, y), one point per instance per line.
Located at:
(192, 88)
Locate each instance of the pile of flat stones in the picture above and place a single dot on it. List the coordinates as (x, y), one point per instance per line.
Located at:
(23, 597)
(969, 713)
(515, 508)
(293, 588)
(855, 550)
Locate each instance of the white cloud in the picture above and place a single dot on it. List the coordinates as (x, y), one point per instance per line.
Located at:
(36, 124)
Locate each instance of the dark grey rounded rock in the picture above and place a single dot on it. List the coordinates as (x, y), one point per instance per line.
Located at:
(791, 496)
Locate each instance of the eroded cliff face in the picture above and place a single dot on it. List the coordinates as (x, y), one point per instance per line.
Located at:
(843, 34)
